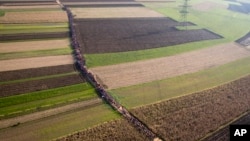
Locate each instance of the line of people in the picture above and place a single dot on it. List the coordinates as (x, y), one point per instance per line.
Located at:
(81, 66)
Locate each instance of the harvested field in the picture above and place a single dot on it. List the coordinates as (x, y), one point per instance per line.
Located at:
(207, 6)
(119, 35)
(157, 69)
(34, 17)
(38, 85)
(43, 114)
(27, 36)
(36, 62)
(191, 117)
(224, 133)
(57, 126)
(113, 12)
(35, 72)
(34, 45)
(113, 131)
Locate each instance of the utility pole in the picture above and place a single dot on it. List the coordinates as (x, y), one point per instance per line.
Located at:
(184, 13)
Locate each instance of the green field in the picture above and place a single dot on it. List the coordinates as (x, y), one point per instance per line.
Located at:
(60, 125)
(230, 25)
(37, 53)
(30, 102)
(33, 28)
(2, 13)
(157, 91)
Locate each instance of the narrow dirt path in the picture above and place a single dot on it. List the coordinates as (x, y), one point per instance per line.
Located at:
(121, 75)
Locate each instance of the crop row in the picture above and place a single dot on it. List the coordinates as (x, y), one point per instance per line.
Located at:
(113, 131)
(192, 117)
(27, 36)
(38, 85)
(34, 72)
(47, 98)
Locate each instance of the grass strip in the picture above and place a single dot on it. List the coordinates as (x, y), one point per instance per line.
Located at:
(2, 13)
(37, 53)
(157, 91)
(34, 96)
(49, 102)
(94, 60)
(38, 78)
(33, 28)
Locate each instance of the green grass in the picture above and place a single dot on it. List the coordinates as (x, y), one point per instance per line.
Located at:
(230, 25)
(2, 13)
(47, 98)
(61, 125)
(33, 28)
(94, 60)
(157, 91)
(38, 53)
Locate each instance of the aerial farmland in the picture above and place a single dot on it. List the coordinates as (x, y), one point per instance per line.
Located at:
(140, 70)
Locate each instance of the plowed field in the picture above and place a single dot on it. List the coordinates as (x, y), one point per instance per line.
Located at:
(119, 130)
(127, 74)
(120, 35)
(35, 72)
(38, 85)
(191, 117)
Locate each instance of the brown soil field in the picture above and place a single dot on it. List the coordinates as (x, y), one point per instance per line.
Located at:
(245, 40)
(32, 36)
(119, 35)
(207, 6)
(113, 12)
(224, 133)
(38, 85)
(30, 7)
(34, 17)
(35, 72)
(35, 62)
(191, 117)
(118, 130)
(156, 69)
(43, 114)
(33, 45)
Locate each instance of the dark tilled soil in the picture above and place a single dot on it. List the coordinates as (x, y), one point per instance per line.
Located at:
(35, 72)
(243, 8)
(245, 40)
(119, 35)
(119, 130)
(191, 117)
(27, 36)
(224, 134)
(38, 85)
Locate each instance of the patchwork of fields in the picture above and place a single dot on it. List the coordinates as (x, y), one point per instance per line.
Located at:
(174, 79)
